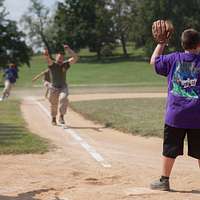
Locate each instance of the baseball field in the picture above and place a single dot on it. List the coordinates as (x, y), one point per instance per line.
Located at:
(111, 147)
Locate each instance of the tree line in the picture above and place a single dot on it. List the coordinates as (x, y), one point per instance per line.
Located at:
(13, 48)
(102, 25)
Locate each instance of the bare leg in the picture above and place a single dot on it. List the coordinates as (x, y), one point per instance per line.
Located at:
(7, 89)
(199, 163)
(163, 182)
(167, 166)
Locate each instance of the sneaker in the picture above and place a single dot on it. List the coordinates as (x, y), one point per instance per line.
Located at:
(53, 122)
(2, 98)
(161, 184)
(61, 119)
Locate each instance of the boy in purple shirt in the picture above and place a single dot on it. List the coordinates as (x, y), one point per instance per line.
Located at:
(182, 117)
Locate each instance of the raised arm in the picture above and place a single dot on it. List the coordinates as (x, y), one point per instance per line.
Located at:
(73, 56)
(157, 52)
(162, 31)
(39, 75)
(47, 57)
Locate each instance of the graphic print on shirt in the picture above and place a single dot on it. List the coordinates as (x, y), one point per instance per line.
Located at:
(184, 80)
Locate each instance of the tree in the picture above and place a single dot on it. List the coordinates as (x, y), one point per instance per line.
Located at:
(103, 38)
(12, 44)
(70, 23)
(184, 14)
(2, 11)
(122, 16)
(36, 22)
(85, 24)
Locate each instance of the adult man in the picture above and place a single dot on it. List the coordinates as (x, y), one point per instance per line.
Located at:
(58, 93)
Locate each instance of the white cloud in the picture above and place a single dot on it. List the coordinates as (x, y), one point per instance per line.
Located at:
(17, 8)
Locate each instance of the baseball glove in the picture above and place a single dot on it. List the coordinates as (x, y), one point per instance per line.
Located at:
(162, 31)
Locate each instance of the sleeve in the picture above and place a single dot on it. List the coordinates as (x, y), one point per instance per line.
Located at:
(16, 74)
(66, 65)
(47, 76)
(6, 71)
(163, 64)
(51, 66)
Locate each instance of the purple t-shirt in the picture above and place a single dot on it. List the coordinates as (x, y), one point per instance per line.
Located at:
(183, 102)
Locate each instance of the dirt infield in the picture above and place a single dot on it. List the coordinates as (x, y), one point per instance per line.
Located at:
(71, 172)
(86, 97)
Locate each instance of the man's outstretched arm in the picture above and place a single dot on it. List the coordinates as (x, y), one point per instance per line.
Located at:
(73, 56)
(47, 57)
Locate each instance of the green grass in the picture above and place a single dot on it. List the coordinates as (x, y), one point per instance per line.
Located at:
(122, 72)
(90, 71)
(93, 72)
(26, 74)
(137, 116)
(15, 138)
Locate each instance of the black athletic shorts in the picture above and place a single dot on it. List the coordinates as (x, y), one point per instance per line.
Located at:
(173, 143)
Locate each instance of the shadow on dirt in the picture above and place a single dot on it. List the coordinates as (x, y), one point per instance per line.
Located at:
(186, 192)
(98, 129)
(27, 195)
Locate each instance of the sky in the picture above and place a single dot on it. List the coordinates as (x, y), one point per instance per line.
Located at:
(16, 8)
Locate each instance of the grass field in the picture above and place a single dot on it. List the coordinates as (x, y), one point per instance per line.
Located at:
(136, 116)
(89, 75)
(90, 71)
(15, 138)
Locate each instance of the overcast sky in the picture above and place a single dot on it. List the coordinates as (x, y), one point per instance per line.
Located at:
(16, 8)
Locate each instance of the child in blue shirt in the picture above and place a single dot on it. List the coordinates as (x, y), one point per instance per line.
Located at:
(10, 76)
